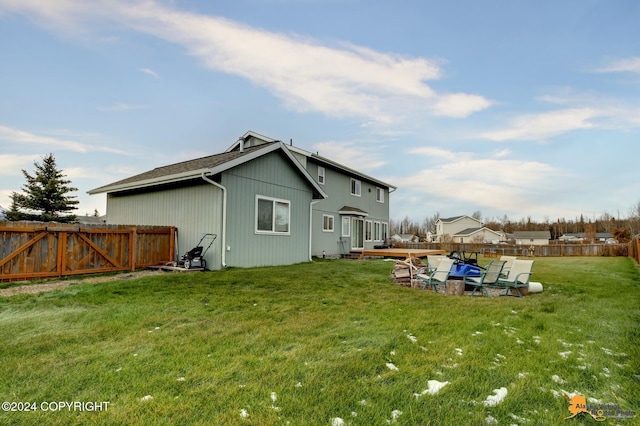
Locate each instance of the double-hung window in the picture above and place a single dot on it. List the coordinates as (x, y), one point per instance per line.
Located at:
(327, 223)
(356, 187)
(321, 175)
(272, 215)
(380, 195)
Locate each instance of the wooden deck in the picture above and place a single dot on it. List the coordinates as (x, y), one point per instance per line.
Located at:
(399, 252)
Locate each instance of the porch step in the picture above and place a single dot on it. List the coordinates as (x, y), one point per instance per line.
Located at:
(352, 255)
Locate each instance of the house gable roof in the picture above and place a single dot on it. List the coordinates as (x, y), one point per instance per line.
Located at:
(471, 231)
(210, 165)
(252, 139)
(456, 218)
(536, 235)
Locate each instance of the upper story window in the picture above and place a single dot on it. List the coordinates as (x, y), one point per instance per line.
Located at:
(321, 175)
(380, 195)
(272, 215)
(356, 187)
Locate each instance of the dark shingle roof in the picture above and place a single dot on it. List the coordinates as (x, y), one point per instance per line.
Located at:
(207, 162)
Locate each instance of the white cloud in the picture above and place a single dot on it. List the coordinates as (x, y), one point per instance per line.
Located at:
(493, 181)
(350, 154)
(121, 106)
(623, 65)
(12, 164)
(52, 143)
(305, 74)
(545, 125)
(149, 72)
(460, 105)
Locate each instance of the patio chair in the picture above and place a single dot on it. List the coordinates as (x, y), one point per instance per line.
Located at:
(518, 277)
(509, 262)
(437, 277)
(488, 277)
(433, 261)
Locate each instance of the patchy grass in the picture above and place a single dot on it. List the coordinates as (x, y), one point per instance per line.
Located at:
(322, 342)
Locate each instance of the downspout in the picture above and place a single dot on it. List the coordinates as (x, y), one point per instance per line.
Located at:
(224, 218)
(311, 226)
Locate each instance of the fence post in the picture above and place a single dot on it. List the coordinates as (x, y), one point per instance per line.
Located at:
(61, 264)
(133, 248)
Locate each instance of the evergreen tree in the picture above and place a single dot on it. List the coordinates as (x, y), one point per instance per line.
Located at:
(44, 196)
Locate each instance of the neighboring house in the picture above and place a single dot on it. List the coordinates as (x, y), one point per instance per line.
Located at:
(477, 235)
(532, 238)
(579, 237)
(91, 220)
(2, 210)
(448, 227)
(262, 200)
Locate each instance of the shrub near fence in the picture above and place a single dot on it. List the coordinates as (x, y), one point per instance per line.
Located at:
(40, 250)
(551, 250)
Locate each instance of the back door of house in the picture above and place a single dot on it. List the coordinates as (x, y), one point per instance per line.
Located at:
(357, 237)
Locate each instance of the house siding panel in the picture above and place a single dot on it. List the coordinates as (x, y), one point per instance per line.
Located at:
(269, 176)
(194, 210)
(338, 187)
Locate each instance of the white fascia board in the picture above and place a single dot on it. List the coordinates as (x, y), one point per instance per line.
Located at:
(245, 136)
(149, 182)
(263, 151)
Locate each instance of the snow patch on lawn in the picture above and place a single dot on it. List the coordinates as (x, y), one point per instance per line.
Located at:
(434, 387)
(496, 398)
(392, 367)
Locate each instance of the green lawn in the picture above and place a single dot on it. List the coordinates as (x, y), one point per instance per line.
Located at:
(321, 343)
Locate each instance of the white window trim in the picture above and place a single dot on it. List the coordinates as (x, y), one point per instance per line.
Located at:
(368, 229)
(273, 217)
(384, 231)
(332, 223)
(377, 231)
(380, 191)
(346, 220)
(321, 175)
(358, 187)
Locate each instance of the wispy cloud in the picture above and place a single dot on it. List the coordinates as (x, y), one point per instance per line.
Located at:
(307, 75)
(121, 106)
(11, 164)
(12, 135)
(623, 65)
(541, 126)
(351, 154)
(150, 72)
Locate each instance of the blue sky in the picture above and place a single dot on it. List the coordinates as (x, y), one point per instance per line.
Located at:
(517, 108)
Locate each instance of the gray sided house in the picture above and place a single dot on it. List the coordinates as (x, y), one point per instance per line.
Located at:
(263, 199)
(257, 200)
(355, 213)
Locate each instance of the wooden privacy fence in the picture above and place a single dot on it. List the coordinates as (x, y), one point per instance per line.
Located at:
(41, 250)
